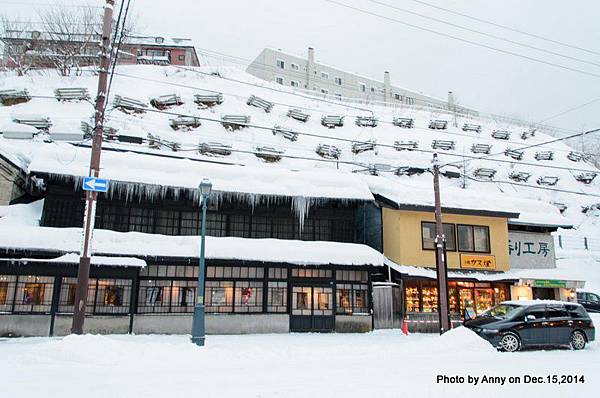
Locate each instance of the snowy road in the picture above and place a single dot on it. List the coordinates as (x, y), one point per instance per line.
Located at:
(382, 364)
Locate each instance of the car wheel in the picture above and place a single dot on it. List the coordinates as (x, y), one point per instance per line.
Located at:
(578, 340)
(510, 342)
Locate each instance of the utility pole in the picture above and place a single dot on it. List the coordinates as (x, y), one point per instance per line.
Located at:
(440, 247)
(89, 216)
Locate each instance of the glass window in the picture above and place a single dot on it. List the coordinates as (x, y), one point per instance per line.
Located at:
(473, 238)
(430, 300)
(344, 298)
(183, 296)
(465, 238)
(294, 66)
(338, 81)
(539, 312)
(556, 311)
(277, 297)
(190, 223)
(8, 284)
(219, 296)
(484, 300)
(113, 296)
(323, 301)
(279, 80)
(34, 293)
(154, 296)
(428, 236)
(67, 295)
(261, 227)
(280, 64)
(411, 293)
(361, 299)
(248, 296)
(167, 222)
(324, 75)
(301, 300)
(481, 235)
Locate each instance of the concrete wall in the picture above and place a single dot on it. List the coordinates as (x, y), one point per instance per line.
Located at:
(242, 323)
(24, 325)
(162, 324)
(11, 182)
(96, 324)
(402, 241)
(353, 323)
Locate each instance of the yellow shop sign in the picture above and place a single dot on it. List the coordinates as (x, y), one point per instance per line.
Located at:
(477, 261)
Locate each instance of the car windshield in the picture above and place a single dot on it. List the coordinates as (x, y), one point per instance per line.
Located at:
(502, 311)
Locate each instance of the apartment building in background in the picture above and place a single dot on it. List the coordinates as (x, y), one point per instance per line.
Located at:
(307, 74)
(46, 49)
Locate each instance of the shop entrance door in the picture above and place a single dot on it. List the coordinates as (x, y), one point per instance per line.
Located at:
(312, 309)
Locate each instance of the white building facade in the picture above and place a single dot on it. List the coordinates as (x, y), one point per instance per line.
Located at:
(306, 74)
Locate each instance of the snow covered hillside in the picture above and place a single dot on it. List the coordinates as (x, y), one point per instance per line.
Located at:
(151, 132)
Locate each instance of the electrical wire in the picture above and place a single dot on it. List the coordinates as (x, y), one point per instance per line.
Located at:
(534, 145)
(493, 36)
(299, 107)
(506, 27)
(353, 141)
(489, 47)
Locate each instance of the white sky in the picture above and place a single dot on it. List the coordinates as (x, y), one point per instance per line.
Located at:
(422, 61)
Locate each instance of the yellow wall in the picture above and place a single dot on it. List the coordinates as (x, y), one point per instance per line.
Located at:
(402, 238)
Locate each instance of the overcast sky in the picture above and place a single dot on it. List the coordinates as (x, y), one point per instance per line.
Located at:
(418, 60)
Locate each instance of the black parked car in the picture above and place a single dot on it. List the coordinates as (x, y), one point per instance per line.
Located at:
(512, 325)
(590, 301)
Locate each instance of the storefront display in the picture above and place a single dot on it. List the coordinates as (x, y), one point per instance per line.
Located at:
(474, 297)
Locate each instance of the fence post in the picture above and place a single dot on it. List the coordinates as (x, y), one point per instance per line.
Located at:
(560, 241)
(585, 243)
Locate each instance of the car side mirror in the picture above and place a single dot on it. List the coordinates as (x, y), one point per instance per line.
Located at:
(467, 316)
(529, 318)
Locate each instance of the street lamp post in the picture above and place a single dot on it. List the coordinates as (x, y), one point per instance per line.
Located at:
(198, 321)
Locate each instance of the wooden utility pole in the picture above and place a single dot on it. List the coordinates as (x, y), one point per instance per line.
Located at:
(83, 274)
(440, 247)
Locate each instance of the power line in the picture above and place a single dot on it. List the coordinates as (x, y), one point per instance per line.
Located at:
(506, 27)
(535, 145)
(535, 187)
(570, 110)
(348, 140)
(484, 33)
(489, 47)
(294, 106)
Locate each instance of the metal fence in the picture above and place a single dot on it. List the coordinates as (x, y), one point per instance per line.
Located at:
(577, 243)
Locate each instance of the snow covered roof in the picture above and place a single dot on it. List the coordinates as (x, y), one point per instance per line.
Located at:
(300, 171)
(73, 258)
(158, 173)
(413, 194)
(560, 273)
(106, 242)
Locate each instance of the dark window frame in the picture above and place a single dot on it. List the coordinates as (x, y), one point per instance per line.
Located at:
(454, 235)
(472, 226)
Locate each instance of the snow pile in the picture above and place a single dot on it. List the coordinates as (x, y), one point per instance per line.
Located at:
(22, 214)
(67, 240)
(382, 364)
(73, 258)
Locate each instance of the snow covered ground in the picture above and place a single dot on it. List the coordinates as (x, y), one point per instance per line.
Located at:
(378, 364)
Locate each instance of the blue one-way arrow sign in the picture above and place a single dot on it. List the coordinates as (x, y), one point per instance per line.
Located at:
(95, 184)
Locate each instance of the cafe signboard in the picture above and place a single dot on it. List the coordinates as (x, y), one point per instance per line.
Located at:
(477, 261)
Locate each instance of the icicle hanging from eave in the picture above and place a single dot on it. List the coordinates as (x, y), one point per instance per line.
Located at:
(300, 205)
